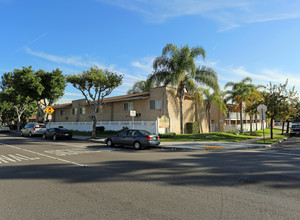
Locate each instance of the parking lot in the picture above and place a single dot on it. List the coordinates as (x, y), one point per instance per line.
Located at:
(72, 179)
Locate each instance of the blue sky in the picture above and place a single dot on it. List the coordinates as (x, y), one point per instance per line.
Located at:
(255, 38)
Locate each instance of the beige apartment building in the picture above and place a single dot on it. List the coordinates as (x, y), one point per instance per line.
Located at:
(149, 106)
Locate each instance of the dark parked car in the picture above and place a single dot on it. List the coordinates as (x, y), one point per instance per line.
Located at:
(135, 138)
(295, 129)
(56, 133)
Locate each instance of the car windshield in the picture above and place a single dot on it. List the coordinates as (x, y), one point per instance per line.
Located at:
(143, 132)
(40, 126)
(296, 126)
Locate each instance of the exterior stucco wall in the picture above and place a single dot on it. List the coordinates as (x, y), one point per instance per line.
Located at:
(113, 110)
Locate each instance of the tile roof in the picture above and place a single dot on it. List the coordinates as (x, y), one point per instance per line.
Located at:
(111, 99)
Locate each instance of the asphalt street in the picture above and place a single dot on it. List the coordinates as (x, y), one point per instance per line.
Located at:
(45, 179)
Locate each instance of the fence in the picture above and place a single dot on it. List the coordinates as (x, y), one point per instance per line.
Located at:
(150, 126)
(246, 127)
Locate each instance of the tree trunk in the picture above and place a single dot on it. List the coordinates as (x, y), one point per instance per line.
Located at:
(282, 130)
(251, 123)
(94, 127)
(241, 117)
(256, 122)
(19, 123)
(288, 127)
(209, 120)
(272, 119)
(181, 117)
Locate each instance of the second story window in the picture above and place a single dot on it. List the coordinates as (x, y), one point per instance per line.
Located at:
(82, 110)
(74, 111)
(62, 112)
(155, 104)
(128, 106)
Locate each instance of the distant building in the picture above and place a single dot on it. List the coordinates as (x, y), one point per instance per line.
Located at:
(148, 106)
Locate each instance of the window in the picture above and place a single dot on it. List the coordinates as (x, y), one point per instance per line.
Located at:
(155, 104)
(82, 110)
(74, 111)
(62, 112)
(128, 106)
(123, 133)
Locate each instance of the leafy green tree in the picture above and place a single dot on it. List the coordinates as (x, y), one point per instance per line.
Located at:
(274, 99)
(141, 86)
(209, 99)
(20, 89)
(54, 84)
(95, 84)
(176, 67)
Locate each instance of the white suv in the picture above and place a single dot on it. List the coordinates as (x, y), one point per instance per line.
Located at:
(32, 129)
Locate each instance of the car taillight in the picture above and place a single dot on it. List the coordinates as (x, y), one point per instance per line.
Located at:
(34, 129)
(148, 138)
(158, 137)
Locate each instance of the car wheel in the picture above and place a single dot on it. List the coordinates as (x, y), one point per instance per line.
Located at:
(109, 143)
(44, 136)
(137, 145)
(54, 137)
(30, 134)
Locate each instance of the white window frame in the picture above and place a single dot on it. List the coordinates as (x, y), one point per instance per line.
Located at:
(157, 104)
(128, 106)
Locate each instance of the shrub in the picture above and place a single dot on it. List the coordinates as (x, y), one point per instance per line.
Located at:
(236, 132)
(167, 135)
(100, 130)
(110, 132)
(251, 133)
(192, 127)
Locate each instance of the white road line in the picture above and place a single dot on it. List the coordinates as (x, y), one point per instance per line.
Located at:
(44, 155)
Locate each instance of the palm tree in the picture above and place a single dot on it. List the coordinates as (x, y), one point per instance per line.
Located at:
(209, 99)
(140, 86)
(176, 67)
(239, 93)
(254, 99)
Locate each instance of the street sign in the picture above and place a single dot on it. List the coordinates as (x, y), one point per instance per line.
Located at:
(132, 113)
(49, 110)
(262, 111)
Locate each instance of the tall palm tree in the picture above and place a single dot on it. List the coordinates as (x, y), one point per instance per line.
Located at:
(209, 99)
(140, 86)
(176, 67)
(239, 93)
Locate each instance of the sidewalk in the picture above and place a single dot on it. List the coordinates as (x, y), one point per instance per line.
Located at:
(192, 145)
(198, 145)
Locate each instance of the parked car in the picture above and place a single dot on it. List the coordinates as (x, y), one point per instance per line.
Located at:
(56, 133)
(295, 130)
(133, 137)
(4, 129)
(32, 129)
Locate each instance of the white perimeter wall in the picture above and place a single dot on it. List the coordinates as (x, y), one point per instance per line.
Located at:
(150, 126)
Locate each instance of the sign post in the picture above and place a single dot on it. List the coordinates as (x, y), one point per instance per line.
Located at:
(132, 114)
(262, 111)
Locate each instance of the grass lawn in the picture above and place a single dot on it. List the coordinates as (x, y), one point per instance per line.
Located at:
(271, 141)
(219, 136)
(214, 136)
